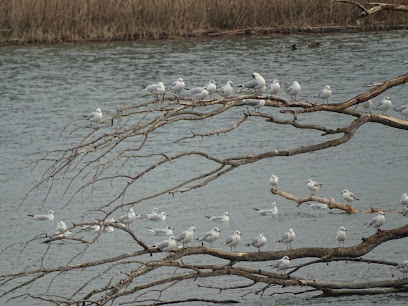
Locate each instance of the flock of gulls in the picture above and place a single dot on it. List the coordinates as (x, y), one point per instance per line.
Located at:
(256, 85)
(232, 241)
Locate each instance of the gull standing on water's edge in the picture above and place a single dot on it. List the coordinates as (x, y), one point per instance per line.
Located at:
(48, 217)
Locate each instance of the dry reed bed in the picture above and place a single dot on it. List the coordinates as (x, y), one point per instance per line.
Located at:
(78, 20)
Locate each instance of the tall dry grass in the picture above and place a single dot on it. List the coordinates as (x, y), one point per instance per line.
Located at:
(76, 20)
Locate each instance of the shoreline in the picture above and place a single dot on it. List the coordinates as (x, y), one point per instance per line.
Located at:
(249, 31)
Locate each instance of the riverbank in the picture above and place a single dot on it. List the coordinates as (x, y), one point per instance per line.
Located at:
(43, 21)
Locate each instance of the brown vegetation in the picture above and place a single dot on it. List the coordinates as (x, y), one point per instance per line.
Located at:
(45, 21)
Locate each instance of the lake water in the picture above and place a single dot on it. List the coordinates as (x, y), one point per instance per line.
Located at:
(43, 88)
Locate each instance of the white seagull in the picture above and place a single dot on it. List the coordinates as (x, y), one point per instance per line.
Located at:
(341, 235)
(384, 105)
(257, 83)
(377, 221)
(274, 88)
(186, 236)
(256, 103)
(294, 89)
(273, 211)
(233, 240)
(199, 93)
(48, 217)
(156, 217)
(367, 105)
(210, 236)
(226, 90)
(282, 264)
(403, 268)
(177, 86)
(156, 89)
(95, 116)
(90, 228)
(325, 93)
(312, 185)
(274, 181)
(318, 206)
(403, 110)
(223, 218)
(128, 218)
(166, 245)
(405, 212)
(404, 199)
(288, 238)
(168, 231)
(61, 227)
(349, 196)
(258, 242)
(211, 87)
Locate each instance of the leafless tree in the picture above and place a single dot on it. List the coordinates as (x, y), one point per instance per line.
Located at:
(112, 147)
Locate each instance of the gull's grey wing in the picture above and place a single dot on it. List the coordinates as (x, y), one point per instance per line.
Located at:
(229, 240)
(373, 221)
(182, 236)
(277, 264)
(250, 84)
(251, 102)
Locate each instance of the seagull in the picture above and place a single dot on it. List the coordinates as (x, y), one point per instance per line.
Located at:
(177, 86)
(341, 235)
(226, 90)
(349, 196)
(95, 116)
(199, 92)
(210, 236)
(287, 238)
(168, 231)
(282, 264)
(318, 206)
(211, 87)
(312, 185)
(48, 217)
(405, 212)
(90, 228)
(156, 217)
(186, 236)
(377, 221)
(294, 89)
(256, 103)
(403, 268)
(233, 240)
(367, 105)
(258, 242)
(403, 110)
(154, 212)
(166, 245)
(325, 93)
(274, 88)
(274, 181)
(108, 228)
(128, 218)
(61, 227)
(156, 89)
(223, 218)
(268, 212)
(384, 105)
(404, 199)
(257, 83)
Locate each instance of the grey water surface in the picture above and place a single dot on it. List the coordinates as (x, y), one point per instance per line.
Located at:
(42, 88)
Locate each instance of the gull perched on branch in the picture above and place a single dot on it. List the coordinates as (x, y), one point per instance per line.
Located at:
(282, 264)
(294, 89)
(258, 242)
(384, 105)
(377, 221)
(95, 116)
(349, 196)
(166, 245)
(341, 235)
(186, 236)
(312, 185)
(226, 90)
(48, 217)
(403, 110)
(274, 88)
(210, 236)
(325, 93)
(177, 86)
(274, 181)
(211, 87)
(256, 103)
(257, 83)
(403, 268)
(288, 238)
(233, 240)
(156, 89)
(199, 92)
(404, 199)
